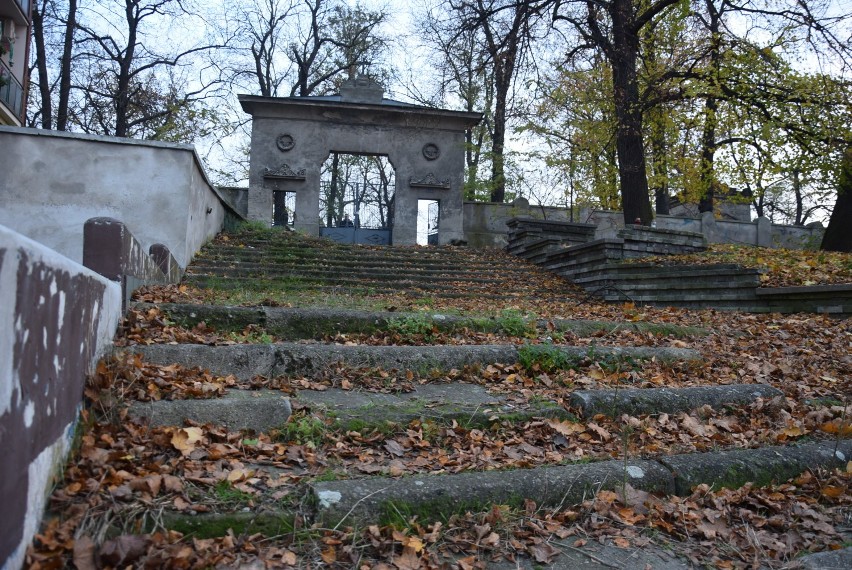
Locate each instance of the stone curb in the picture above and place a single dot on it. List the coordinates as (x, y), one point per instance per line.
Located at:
(372, 499)
(469, 404)
(829, 560)
(257, 410)
(248, 360)
(376, 498)
(300, 323)
(761, 466)
(638, 401)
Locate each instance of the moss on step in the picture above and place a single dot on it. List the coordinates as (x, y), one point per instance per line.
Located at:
(385, 417)
(312, 323)
(399, 514)
(218, 524)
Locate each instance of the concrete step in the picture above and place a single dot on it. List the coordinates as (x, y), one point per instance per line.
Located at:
(304, 248)
(299, 359)
(362, 501)
(484, 292)
(644, 401)
(471, 405)
(357, 259)
(309, 323)
(669, 282)
(339, 274)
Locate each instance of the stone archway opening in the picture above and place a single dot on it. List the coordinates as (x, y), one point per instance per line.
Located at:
(356, 199)
(283, 208)
(428, 222)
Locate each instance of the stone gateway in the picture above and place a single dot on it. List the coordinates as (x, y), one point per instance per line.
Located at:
(293, 136)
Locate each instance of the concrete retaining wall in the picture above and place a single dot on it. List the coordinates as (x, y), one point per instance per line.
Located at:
(56, 319)
(52, 183)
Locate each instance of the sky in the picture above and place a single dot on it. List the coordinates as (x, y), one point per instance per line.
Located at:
(410, 61)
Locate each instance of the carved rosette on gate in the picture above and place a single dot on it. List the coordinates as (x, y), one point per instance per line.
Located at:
(285, 142)
(431, 151)
(429, 181)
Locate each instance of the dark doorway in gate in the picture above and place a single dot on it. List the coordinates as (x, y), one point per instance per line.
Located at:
(356, 201)
(283, 208)
(428, 221)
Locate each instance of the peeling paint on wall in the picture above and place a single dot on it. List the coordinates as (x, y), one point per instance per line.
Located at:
(55, 318)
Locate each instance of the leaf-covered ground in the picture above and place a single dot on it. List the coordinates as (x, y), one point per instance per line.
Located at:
(109, 509)
(778, 267)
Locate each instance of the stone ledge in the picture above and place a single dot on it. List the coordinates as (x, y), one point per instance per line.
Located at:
(368, 500)
(237, 410)
(633, 401)
(288, 359)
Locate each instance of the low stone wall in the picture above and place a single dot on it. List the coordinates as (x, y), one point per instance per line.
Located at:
(485, 225)
(56, 319)
(760, 232)
(53, 182)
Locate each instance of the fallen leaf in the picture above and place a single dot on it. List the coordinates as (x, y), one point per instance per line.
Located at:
(329, 555)
(543, 553)
(184, 439)
(566, 428)
(692, 425)
(84, 553)
(408, 560)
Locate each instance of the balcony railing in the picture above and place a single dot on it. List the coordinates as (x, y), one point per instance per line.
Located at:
(11, 91)
(25, 6)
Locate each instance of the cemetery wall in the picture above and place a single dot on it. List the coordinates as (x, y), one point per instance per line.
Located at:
(53, 182)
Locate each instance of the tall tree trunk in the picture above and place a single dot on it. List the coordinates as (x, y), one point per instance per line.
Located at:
(800, 200)
(125, 63)
(708, 153)
(629, 144)
(41, 66)
(711, 105)
(332, 190)
(65, 68)
(498, 174)
(837, 236)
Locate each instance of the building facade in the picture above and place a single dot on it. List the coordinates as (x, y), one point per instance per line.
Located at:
(15, 29)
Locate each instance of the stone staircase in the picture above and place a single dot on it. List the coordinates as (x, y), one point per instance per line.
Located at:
(254, 261)
(354, 417)
(608, 269)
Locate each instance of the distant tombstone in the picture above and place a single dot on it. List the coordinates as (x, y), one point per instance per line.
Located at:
(764, 232)
(521, 203)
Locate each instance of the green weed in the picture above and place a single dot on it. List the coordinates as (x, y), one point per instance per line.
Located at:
(545, 358)
(304, 429)
(226, 494)
(515, 323)
(255, 226)
(414, 325)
